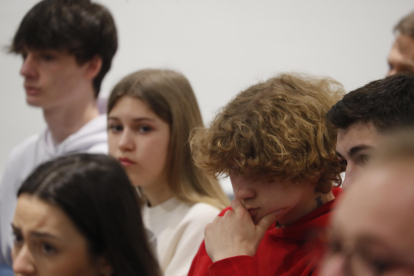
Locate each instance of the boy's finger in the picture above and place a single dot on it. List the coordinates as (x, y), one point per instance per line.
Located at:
(237, 206)
(266, 221)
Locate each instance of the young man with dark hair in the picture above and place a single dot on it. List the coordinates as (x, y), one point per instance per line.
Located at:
(364, 116)
(401, 57)
(372, 229)
(67, 47)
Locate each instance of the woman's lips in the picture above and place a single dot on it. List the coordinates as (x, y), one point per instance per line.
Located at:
(126, 162)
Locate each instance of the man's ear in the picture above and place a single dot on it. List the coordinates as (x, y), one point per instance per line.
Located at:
(93, 67)
(104, 267)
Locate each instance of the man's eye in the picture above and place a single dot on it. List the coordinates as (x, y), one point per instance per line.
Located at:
(48, 249)
(18, 239)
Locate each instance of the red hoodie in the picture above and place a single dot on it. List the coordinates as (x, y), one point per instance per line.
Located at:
(282, 251)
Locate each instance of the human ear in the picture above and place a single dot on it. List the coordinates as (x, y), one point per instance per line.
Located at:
(93, 67)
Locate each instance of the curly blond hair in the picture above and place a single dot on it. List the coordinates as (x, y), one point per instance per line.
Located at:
(275, 129)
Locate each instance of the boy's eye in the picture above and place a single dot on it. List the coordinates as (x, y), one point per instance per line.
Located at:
(47, 248)
(343, 163)
(380, 266)
(365, 159)
(47, 57)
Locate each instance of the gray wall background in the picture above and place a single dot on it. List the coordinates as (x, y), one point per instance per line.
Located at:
(222, 46)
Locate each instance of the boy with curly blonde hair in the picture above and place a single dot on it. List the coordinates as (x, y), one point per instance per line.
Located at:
(272, 141)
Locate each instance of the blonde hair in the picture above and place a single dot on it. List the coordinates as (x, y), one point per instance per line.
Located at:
(275, 129)
(170, 96)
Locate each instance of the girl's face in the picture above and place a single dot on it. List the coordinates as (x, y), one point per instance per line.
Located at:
(139, 140)
(48, 243)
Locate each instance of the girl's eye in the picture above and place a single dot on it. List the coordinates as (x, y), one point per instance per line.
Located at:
(115, 128)
(145, 129)
(48, 249)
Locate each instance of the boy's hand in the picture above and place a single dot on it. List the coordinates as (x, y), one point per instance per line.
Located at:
(235, 233)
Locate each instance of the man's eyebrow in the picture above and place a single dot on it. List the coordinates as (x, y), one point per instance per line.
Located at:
(356, 149)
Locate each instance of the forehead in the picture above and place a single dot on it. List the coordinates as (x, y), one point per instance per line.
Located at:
(403, 50)
(128, 105)
(34, 214)
(357, 134)
(405, 45)
(380, 205)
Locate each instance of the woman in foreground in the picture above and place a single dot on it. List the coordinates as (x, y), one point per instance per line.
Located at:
(79, 215)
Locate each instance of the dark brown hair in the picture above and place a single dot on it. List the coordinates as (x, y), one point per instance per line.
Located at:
(81, 28)
(96, 194)
(387, 103)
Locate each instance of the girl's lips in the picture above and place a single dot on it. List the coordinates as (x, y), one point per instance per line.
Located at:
(126, 161)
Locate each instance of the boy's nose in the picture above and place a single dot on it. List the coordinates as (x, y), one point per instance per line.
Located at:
(28, 69)
(242, 188)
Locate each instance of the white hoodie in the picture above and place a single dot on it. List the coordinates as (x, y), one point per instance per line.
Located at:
(38, 149)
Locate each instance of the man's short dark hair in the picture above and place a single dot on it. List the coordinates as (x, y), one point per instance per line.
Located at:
(387, 103)
(81, 28)
(406, 25)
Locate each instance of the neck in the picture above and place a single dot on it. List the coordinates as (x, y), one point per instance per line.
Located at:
(308, 205)
(157, 193)
(66, 120)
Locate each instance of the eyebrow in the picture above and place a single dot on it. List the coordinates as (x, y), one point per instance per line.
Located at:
(356, 149)
(36, 233)
(135, 119)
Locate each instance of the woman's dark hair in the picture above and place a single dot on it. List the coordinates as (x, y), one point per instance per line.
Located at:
(96, 194)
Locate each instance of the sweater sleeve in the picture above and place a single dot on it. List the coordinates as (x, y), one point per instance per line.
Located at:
(192, 234)
(234, 266)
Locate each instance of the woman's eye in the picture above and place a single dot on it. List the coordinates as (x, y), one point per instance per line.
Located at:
(48, 249)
